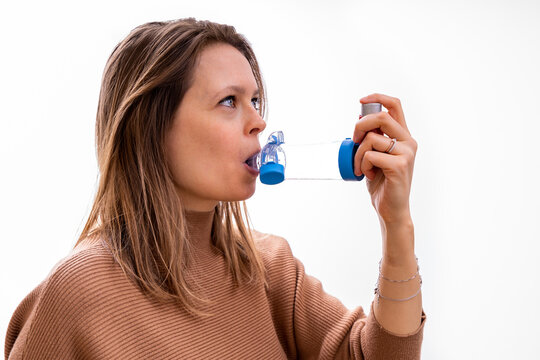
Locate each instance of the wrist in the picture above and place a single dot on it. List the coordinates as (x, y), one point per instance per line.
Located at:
(398, 243)
(403, 219)
(402, 264)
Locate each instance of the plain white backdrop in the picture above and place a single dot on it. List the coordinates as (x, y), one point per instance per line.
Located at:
(467, 74)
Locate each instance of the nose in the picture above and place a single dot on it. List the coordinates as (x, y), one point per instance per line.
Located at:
(255, 124)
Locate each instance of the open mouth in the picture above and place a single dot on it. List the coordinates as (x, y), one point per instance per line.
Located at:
(253, 162)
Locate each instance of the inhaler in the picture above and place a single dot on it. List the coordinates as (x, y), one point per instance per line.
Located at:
(333, 160)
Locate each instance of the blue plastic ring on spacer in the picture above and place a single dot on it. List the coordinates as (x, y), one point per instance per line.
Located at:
(272, 173)
(347, 150)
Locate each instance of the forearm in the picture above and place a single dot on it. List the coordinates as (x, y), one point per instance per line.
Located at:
(399, 263)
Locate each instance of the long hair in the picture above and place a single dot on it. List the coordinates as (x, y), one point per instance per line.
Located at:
(136, 211)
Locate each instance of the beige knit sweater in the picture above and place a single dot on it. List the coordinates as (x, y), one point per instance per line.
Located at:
(87, 308)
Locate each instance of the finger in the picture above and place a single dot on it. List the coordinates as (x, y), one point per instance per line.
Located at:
(374, 159)
(391, 103)
(374, 142)
(381, 120)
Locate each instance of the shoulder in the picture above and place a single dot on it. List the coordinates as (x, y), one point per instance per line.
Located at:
(81, 271)
(273, 248)
(280, 264)
(71, 289)
(73, 276)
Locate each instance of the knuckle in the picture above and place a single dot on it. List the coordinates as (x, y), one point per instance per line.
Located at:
(403, 162)
(409, 155)
(367, 155)
(385, 117)
(360, 123)
(370, 136)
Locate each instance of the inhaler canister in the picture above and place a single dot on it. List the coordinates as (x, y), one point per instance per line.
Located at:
(280, 160)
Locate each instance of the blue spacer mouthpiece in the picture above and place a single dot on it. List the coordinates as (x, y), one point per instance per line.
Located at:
(272, 160)
(347, 150)
(272, 173)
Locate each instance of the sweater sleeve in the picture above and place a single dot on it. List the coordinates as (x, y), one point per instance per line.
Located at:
(315, 325)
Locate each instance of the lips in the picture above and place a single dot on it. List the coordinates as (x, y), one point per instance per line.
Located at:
(252, 160)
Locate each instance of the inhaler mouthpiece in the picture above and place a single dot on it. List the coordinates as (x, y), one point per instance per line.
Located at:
(272, 160)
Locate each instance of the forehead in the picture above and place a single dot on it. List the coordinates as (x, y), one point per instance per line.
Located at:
(221, 65)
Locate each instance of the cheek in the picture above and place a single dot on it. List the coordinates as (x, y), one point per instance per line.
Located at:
(219, 159)
(221, 145)
(206, 155)
(175, 158)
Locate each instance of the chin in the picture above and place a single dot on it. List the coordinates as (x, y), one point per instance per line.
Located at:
(245, 194)
(251, 191)
(248, 196)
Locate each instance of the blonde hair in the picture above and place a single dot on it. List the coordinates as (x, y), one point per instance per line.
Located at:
(136, 210)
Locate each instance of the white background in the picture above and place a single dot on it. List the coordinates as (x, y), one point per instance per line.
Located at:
(467, 73)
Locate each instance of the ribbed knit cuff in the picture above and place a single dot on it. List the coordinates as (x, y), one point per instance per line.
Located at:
(380, 343)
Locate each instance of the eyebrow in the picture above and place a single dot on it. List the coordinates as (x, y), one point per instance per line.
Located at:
(238, 89)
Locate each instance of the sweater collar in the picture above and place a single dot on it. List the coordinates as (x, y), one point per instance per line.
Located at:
(199, 224)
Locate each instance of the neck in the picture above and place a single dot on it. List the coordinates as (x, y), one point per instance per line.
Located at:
(199, 225)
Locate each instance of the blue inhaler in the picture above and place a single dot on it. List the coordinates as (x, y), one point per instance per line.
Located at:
(315, 161)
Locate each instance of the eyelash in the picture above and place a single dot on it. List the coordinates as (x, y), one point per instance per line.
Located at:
(233, 98)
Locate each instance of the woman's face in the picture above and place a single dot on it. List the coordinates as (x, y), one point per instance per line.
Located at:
(215, 130)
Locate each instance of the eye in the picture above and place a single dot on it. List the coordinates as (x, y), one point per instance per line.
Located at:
(257, 103)
(228, 99)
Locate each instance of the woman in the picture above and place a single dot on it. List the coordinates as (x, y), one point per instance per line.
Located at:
(167, 266)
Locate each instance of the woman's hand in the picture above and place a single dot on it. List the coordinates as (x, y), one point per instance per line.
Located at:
(389, 176)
